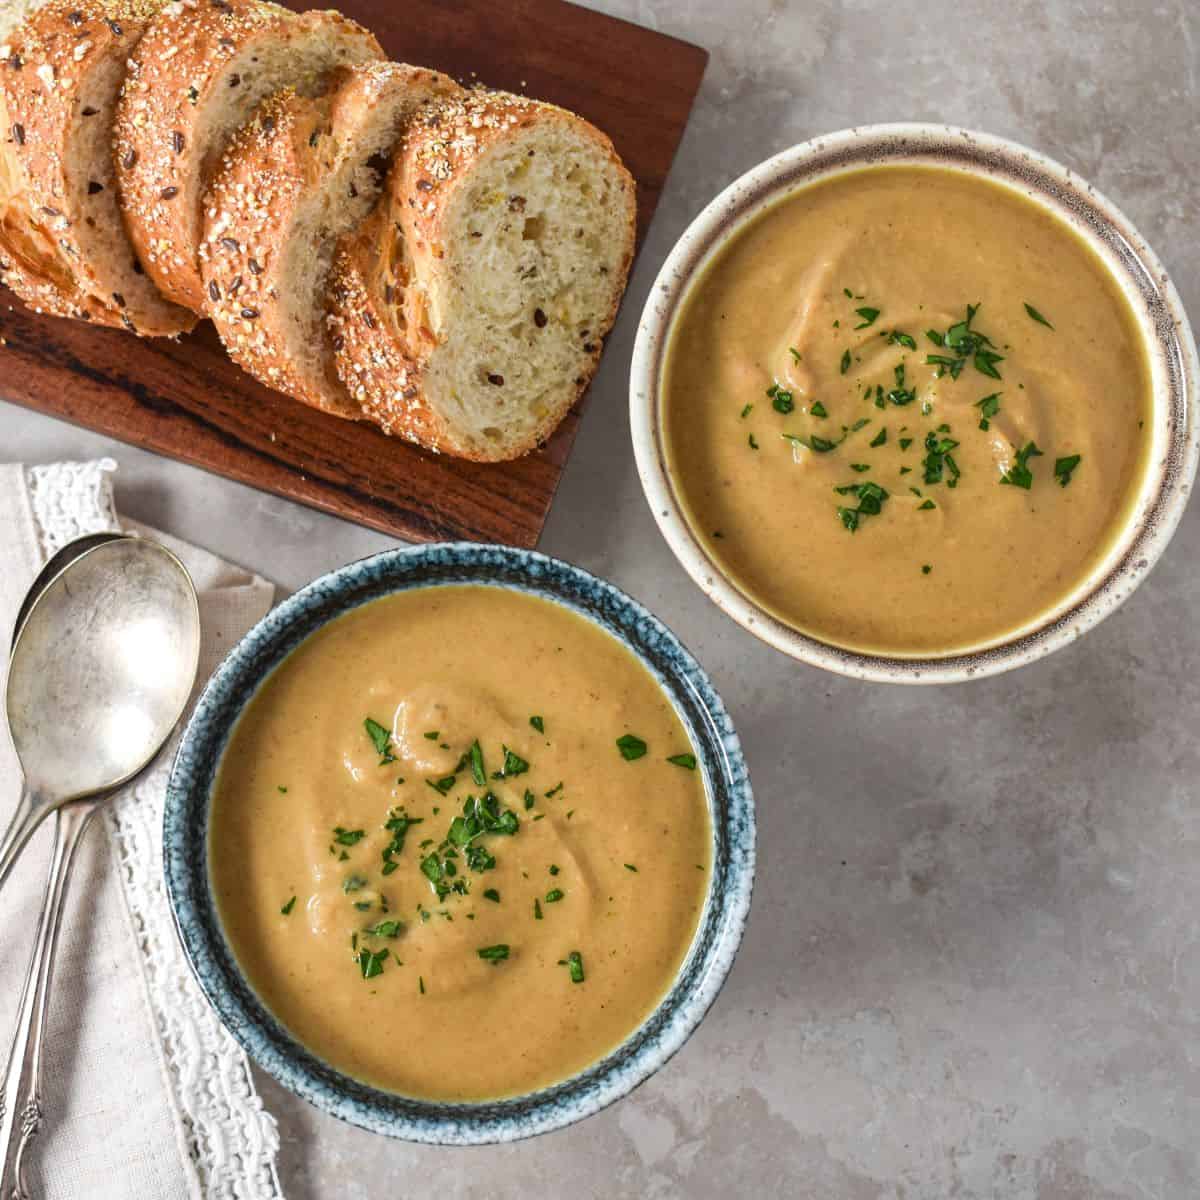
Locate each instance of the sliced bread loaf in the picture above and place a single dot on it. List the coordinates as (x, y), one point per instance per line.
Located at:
(468, 313)
(195, 78)
(301, 174)
(63, 244)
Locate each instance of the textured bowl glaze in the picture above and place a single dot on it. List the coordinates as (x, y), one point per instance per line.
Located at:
(731, 805)
(1159, 313)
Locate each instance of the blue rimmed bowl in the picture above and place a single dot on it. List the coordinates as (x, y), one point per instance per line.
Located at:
(727, 785)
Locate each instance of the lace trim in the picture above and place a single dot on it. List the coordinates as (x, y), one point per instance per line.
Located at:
(231, 1140)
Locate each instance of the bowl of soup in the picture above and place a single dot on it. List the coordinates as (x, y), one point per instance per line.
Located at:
(460, 843)
(915, 404)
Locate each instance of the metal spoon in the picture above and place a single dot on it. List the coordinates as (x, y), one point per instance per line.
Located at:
(101, 670)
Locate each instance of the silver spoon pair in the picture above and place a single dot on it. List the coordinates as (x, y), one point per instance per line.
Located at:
(104, 656)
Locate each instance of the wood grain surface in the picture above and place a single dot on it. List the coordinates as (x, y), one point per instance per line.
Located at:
(186, 399)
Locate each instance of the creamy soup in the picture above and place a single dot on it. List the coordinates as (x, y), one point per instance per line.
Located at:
(460, 843)
(907, 410)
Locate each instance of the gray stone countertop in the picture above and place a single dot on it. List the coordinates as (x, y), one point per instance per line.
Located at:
(973, 964)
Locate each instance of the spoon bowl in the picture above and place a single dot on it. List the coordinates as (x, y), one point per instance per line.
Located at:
(102, 668)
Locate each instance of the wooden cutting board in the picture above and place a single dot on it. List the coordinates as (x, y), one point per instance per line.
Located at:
(186, 400)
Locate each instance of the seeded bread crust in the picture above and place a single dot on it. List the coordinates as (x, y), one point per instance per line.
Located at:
(63, 245)
(390, 281)
(261, 199)
(194, 79)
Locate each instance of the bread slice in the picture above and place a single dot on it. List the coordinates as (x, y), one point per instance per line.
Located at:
(195, 79)
(63, 244)
(304, 172)
(469, 312)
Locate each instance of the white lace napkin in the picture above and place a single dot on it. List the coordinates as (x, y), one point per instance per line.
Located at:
(146, 1096)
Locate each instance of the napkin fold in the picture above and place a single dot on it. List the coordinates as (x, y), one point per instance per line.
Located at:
(146, 1096)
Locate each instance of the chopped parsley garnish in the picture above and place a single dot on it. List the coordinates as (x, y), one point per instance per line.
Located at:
(397, 825)
(845, 362)
(630, 867)
(1064, 466)
(1037, 316)
(904, 443)
(493, 954)
(287, 908)
(879, 439)
(445, 785)
(554, 895)
(630, 745)
(492, 895)
(282, 790)
(869, 316)
(475, 757)
(900, 396)
(964, 342)
(514, 764)
(988, 407)
(904, 339)
(926, 569)
(433, 735)
(781, 400)
(927, 504)
(817, 409)
(530, 799)
(558, 787)
(939, 461)
(818, 444)
(538, 724)
(421, 984)
(687, 761)
(794, 353)
(480, 816)
(385, 929)
(371, 962)
(747, 410)
(348, 837)
(353, 883)
(1019, 474)
(860, 468)
(381, 738)
(752, 442)
(554, 869)
(870, 503)
(574, 964)
(537, 909)
(822, 445)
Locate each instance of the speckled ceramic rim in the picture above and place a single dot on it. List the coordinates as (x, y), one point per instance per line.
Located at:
(185, 836)
(1158, 309)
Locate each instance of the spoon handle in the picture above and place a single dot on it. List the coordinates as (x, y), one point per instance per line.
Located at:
(20, 1102)
(25, 820)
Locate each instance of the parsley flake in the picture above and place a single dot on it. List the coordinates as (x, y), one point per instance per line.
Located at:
(631, 747)
(1019, 474)
(1063, 467)
(381, 738)
(1037, 316)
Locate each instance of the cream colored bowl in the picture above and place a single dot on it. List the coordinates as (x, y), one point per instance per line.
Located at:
(1157, 309)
